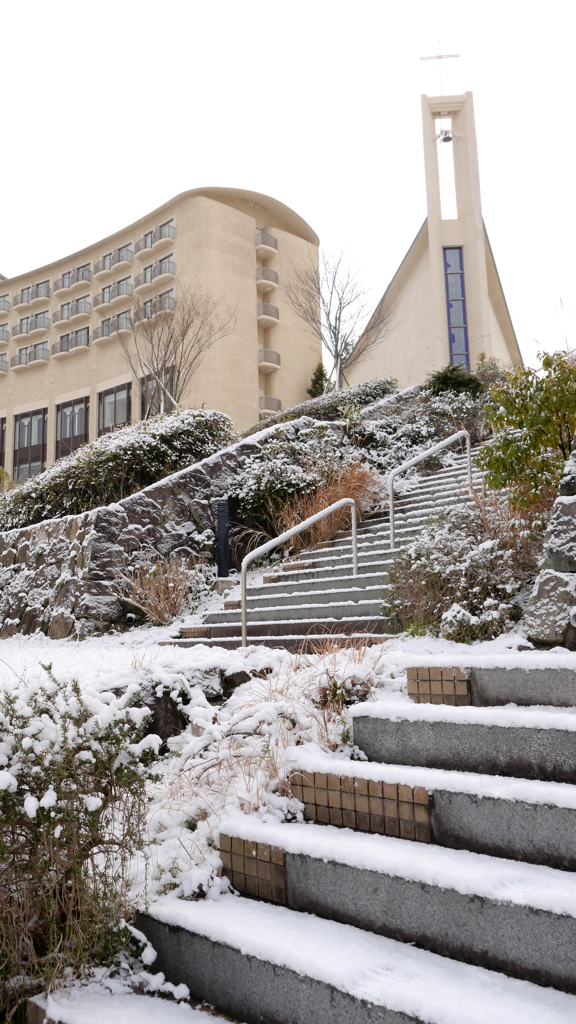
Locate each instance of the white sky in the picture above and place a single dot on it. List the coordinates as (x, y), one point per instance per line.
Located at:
(113, 108)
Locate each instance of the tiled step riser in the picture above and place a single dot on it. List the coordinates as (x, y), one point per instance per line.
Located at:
(548, 754)
(255, 990)
(290, 612)
(485, 687)
(521, 941)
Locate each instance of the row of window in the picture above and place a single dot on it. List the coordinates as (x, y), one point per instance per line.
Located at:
(72, 429)
(83, 273)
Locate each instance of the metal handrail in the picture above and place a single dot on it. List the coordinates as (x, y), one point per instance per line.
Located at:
(287, 535)
(419, 458)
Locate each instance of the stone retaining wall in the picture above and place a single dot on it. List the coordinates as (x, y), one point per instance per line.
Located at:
(58, 576)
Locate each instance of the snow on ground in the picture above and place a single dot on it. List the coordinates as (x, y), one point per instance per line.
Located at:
(233, 757)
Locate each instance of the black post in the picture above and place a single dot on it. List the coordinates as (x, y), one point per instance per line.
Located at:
(223, 520)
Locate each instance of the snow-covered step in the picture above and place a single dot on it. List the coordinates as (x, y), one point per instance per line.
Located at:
(323, 597)
(505, 915)
(328, 572)
(261, 962)
(530, 743)
(486, 686)
(294, 627)
(318, 583)
(310, 642)
(517, 818)
(363, 606)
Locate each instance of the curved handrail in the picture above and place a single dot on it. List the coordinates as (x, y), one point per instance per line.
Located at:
(287, 535)
(419, 458)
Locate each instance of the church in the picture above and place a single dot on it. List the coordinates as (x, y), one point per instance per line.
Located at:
(445, 303)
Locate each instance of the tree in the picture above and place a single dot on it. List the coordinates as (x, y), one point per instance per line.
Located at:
(454, 377)
(170, 337)
(534, 415)
(319, 383)
(333, 307)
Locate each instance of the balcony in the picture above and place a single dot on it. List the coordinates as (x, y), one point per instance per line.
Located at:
(4, 305)
(144, 281)
(120, 259)
(267, 314)
(36, 324)
(74, 311)
(80, 276)
(118, 293)
(27, 356)
(31, 296)
(4, 334)
(152, 307)
(268, 360)
(266, 245)
(266, 279)
(112, 329)
(268, 405)
(161, 238)
(70, 343)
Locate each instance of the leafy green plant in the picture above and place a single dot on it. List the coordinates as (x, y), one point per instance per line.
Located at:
(533, 414)
(116, 465)
(72, 797)
(454, 377)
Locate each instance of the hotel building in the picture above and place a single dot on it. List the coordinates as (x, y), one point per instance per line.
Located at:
(64, 377)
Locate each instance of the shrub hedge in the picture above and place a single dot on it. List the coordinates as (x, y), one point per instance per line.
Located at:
(332, 405)
(116, 465)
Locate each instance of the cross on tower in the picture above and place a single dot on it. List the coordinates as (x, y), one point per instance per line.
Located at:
(440, 57)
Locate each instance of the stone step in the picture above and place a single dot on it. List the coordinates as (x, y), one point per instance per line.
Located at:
(291, 627)
(318, 583)
(494, 913)
(529, 743)
(266, 963)
(311, 643)
(508, 817)
(291, 611)
(326, 573)
(493, 686)
(324, 598)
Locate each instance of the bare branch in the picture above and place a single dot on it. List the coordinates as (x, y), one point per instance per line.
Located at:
(170, 337)
(333, 308)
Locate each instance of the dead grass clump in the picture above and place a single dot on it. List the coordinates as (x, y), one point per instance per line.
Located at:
(345, 480)
(159, 590)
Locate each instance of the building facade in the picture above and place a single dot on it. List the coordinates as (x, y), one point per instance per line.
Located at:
(447, 298)
(64, 376)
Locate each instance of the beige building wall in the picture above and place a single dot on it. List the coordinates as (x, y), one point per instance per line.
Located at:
(265, 364)
(419, 340)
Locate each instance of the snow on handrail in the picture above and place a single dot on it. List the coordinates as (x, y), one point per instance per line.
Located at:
(418, 458)
(287, 535)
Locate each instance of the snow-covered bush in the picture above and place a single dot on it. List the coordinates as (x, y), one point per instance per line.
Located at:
(116, 465)
(331, 405)
(404, 429)
(72, 800)
(286, 471)
(463, 577)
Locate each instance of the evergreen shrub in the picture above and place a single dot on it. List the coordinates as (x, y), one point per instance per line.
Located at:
(331, 405)
(116, 465)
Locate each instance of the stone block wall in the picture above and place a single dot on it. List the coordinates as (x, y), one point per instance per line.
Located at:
(59, 576)
(547, 617)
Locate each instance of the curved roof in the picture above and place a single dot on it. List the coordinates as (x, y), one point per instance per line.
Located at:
(240, 199)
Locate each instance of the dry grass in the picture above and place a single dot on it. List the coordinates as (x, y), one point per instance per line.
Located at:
(349, 480)
(159, 590)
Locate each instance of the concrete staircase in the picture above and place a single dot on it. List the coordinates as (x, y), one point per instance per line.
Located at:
(434, 883)
(315, 594)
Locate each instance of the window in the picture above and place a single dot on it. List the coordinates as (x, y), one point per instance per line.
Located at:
(83, 272)
(3, 363)
(33, 352)
(4, 303)
(148, 239)
(166, 265)
(3, 442)
(72, 424)
(456, 307)
(124, 286)
(65, 310)
(147, 273)
(30, 430)
(24, 324)
(152, 398)
(125, 253)
(26, 294)
(82, 337)
(43, 290)
(4, 333)
(67, 279)
(106, 293)
(114, 408)
(107, 261)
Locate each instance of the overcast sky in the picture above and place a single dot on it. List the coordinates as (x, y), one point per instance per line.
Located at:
(110, 109)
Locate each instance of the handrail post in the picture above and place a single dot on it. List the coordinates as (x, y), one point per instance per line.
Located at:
(354, 541)
(391, 506)
(244, 603)
(469, 455)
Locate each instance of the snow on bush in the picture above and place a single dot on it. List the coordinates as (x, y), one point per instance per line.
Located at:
(116, 465)
(72, 801)
(463, 577)
(286, 470)
(332, 405)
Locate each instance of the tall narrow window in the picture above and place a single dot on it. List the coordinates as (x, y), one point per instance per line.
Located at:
(71, 425)
(114, 408)
(30, 430)
(456, 307)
